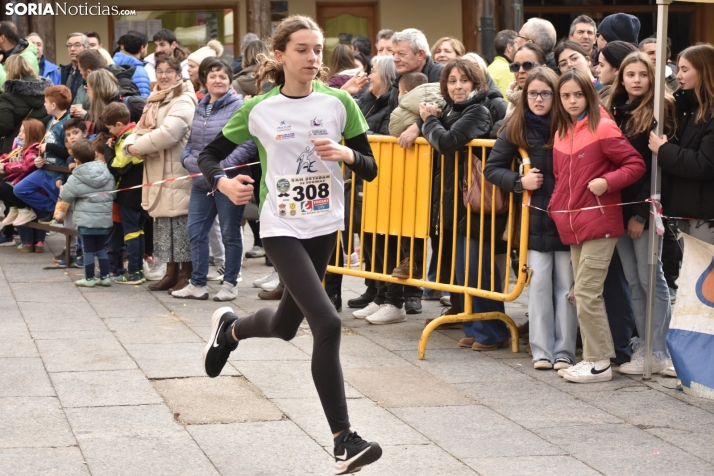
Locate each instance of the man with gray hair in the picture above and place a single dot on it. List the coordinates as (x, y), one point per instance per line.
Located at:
(411, 55)
(76, 43)
(384, 42)
(238, 63)
(582, 31)
(542, 33)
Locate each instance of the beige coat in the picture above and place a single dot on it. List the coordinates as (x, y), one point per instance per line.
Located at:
(162, 149)
(407, 113)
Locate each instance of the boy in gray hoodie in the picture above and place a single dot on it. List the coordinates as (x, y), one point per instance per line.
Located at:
(92, 212)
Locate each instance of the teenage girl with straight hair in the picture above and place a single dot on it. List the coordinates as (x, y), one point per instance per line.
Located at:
(688, 163)
(553, 324)
(592, 162)
(631, 102)
(298, 127)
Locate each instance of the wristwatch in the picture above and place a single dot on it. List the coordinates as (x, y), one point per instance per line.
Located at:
(639, 219)
(518, 187)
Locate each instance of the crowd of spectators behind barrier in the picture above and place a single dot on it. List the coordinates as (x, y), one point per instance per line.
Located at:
(149, 116)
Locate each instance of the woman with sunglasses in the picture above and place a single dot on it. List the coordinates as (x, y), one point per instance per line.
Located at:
(553, 321)
(527, 57)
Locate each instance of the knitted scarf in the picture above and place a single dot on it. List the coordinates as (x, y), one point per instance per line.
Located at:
(147, 123)
(540, 124)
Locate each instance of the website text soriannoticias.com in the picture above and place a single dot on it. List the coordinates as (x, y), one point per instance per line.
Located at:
(62, 8)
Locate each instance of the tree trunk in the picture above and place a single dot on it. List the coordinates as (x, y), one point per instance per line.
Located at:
(258, 18)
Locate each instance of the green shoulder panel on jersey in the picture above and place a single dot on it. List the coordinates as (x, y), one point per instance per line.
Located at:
(356, 123)
(237, 128)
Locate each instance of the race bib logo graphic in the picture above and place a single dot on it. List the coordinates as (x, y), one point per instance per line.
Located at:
(705, 286)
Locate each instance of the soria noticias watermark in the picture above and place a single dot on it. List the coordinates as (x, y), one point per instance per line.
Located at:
(61, 8)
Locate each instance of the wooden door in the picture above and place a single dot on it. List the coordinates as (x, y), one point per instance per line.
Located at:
(344, 20)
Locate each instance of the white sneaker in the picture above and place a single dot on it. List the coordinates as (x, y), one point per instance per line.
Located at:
(587, 372)
(239, 279)
(669, 371)
(636, 366)
(228, 292)
(255, 252)
(154, 270)
(354, 260)
(387, 314)
(366, 311)
(11, 216)
(268, 277)
(192, 292)
(216, 275)
(24, 215)
(271, 285)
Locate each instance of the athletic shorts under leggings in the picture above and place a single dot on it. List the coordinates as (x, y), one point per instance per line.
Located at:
(301, 265)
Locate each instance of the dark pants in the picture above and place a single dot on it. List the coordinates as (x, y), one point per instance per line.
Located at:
(115, 249)
(618, 304)
(7, 195)
(671, 254)
(133, 222)
(301, 265)
(95, 245)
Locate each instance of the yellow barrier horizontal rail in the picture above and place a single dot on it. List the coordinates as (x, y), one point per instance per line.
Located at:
(395, 218)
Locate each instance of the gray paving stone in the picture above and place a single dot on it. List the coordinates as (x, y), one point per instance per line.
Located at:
(284, 379)
(404, 387)
(18, 347)
(172, 360)
(697, 440)
(24, 377)
(629, 450)
(474, 431)
(24, 273)
(77, 316)
(56, 335)
(136, 440)
(45, 461)
(520, 465)
(114, 304)
(463, 366)
(151, 330)
(262, 449)
(48, 293)
(33, 422)
(357, 352)
(13, 328)
(104, 388)
(267, 349)
(203, 400)
(78, 355)
(403, 337)
(365, 417)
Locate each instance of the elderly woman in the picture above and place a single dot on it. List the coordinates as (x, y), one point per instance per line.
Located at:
(212, 113)
(375, 103)
(160, 137)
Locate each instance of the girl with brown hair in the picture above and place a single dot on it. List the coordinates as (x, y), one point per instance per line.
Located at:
(553, 323)
(592, 162)
(298, 126)
(342, 66)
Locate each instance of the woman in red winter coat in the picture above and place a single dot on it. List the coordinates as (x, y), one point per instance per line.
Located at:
(15, 166)
(592, 162)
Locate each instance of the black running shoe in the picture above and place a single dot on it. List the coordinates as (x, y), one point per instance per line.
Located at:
(412, 305)
(352, 453)
(218, 349)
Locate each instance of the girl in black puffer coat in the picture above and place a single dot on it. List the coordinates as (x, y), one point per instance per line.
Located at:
(22, 98)
(553, 320)
(467, 116)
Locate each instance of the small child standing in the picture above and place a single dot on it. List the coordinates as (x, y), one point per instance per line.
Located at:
(92, 213)
(414, 89)
(128, 172)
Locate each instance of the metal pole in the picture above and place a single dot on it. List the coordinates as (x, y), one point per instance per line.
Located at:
(517, 14)
(487, 31)
(653, 250)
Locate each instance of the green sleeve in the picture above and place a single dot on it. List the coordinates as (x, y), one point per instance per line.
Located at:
(236, 129)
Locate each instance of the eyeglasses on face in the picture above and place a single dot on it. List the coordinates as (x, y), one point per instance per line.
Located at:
(166, 73)
(544, 95)
(74, 45)
(526, 65)
(519, 36)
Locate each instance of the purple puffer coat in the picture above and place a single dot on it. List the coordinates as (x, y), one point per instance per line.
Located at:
(205, 129)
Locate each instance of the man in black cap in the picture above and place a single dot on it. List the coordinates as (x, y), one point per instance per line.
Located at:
(620, 26)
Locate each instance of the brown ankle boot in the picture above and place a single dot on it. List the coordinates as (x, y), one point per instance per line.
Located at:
(184, 277)
(170, 278)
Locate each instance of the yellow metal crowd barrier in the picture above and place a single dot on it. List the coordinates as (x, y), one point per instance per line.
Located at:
(395, 222)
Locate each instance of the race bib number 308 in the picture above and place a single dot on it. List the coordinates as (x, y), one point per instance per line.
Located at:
(304, 195)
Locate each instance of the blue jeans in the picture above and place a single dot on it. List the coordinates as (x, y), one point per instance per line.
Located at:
(484, 332)
(95, 245)
(202, 210)
(28, 190)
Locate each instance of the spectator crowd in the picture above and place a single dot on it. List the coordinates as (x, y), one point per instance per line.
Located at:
(581, 106)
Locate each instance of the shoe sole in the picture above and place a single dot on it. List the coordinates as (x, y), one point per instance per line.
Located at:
(202, 297)
(393, 321)
(628, 371)
(368, 456)
(413, 311)
(669, 373)
(215, 298)
(220, 278)
(590, 379)
(215, 322)
(357, 305)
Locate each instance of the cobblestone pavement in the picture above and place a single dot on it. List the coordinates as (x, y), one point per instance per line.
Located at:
(108, 381)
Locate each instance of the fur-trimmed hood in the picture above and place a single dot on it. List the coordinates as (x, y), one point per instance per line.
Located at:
(27, 87)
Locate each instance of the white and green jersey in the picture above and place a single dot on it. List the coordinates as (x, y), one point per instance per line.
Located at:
(300, 195)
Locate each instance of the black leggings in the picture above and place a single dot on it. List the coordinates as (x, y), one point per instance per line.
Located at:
(301, 265)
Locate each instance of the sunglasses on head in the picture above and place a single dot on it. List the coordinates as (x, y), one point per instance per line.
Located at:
(527, 66)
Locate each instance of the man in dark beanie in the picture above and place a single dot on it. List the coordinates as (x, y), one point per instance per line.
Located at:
(620, 26)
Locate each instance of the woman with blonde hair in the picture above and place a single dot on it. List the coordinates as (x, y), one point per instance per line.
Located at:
(254, 54)
(447, 48)
(102, 89)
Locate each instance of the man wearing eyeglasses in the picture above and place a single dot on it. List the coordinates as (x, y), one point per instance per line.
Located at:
(542, 33)
(71, 77)
(12, 44)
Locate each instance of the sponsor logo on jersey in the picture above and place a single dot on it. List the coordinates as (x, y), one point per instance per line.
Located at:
(289, 135)
(318, 132)
(284, 126)
(316, 122)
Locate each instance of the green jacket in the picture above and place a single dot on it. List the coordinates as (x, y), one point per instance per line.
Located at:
(500, 72)
(27, 50)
